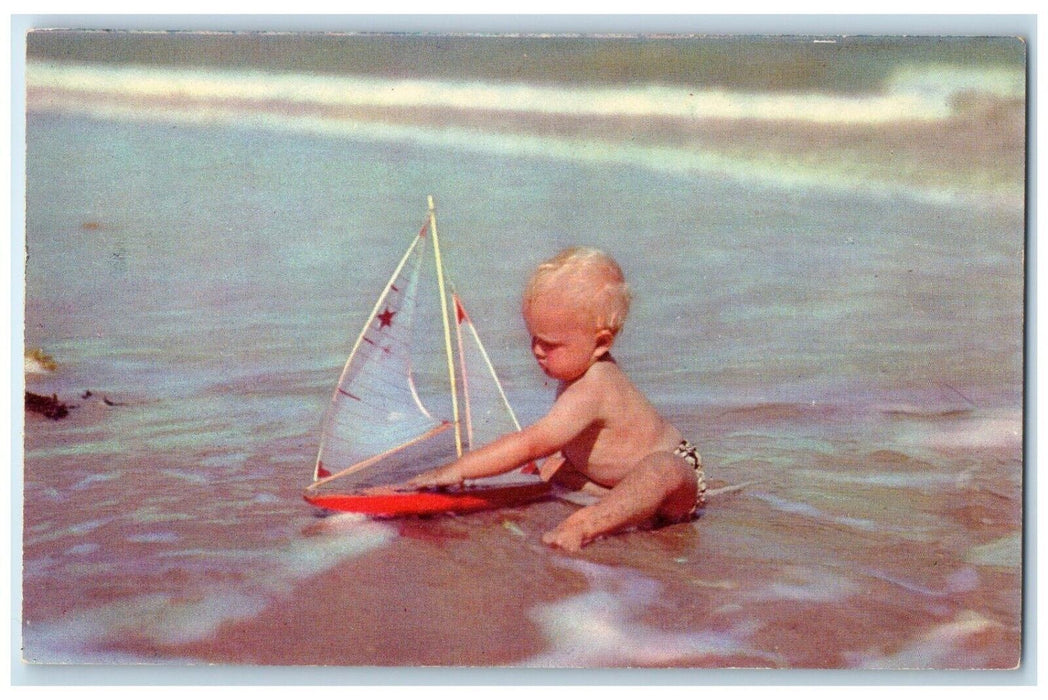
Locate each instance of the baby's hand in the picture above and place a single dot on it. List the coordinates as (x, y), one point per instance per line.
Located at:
(551, 466)
(567, 538)
(442, 476)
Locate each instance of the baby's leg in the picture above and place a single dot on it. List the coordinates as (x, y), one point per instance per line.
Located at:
(661, 484)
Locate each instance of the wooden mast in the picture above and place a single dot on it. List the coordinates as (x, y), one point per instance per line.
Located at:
(447, 327)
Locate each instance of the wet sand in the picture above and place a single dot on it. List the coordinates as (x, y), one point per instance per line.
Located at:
(429, 600)
(865, 576)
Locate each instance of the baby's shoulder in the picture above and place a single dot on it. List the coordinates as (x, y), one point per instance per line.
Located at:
(604, 379)
(594, 380)
(607, 370)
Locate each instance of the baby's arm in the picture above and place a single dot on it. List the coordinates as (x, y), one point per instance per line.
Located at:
(572, 413)
(502, 455)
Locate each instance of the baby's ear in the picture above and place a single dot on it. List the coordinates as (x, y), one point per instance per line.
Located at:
(605, 339)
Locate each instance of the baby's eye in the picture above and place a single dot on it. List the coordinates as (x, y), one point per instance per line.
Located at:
(542, 344)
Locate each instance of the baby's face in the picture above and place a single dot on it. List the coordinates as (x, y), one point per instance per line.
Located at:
(564, 343)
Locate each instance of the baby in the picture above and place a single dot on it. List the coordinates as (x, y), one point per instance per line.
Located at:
(601, 434)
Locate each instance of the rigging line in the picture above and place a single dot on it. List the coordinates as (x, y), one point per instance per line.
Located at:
(460, 315)
(414, 393)
(461, 308)
(957, 391)
(491, 369)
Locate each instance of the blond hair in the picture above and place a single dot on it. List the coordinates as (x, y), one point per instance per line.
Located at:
(588, 278)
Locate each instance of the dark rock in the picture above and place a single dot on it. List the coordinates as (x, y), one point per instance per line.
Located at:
(48, 406)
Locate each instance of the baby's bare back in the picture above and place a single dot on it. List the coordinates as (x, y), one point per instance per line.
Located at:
(626, 430)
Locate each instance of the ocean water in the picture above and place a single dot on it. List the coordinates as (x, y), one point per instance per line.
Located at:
(828, 278)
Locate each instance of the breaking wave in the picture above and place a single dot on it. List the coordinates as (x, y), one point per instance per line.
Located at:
(721, 133)
(924, 94)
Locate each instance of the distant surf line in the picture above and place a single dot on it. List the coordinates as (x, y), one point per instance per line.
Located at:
(276, 102)
(909, 98)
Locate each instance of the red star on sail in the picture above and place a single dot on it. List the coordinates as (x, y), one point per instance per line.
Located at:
(385, 318)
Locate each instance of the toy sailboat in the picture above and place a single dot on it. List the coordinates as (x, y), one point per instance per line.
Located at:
(386, 422)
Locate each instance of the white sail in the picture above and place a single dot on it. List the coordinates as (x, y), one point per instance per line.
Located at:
(376, 409)
(378, 427)
(488, 413)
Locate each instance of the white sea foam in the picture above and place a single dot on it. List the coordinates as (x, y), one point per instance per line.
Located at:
(894, 480)
(600, 627)
(167, 619)
(234, 459)
(50, 534)
(808, 510)
(799, 583)
(943, 82)
(962, 580)
(157, 617)
(183, 475)
(943, 646)
(1005, 552)
(992, 432)
(154, 537)
(92, 479)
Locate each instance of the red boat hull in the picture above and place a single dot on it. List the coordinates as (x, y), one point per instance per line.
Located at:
(387, 502)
